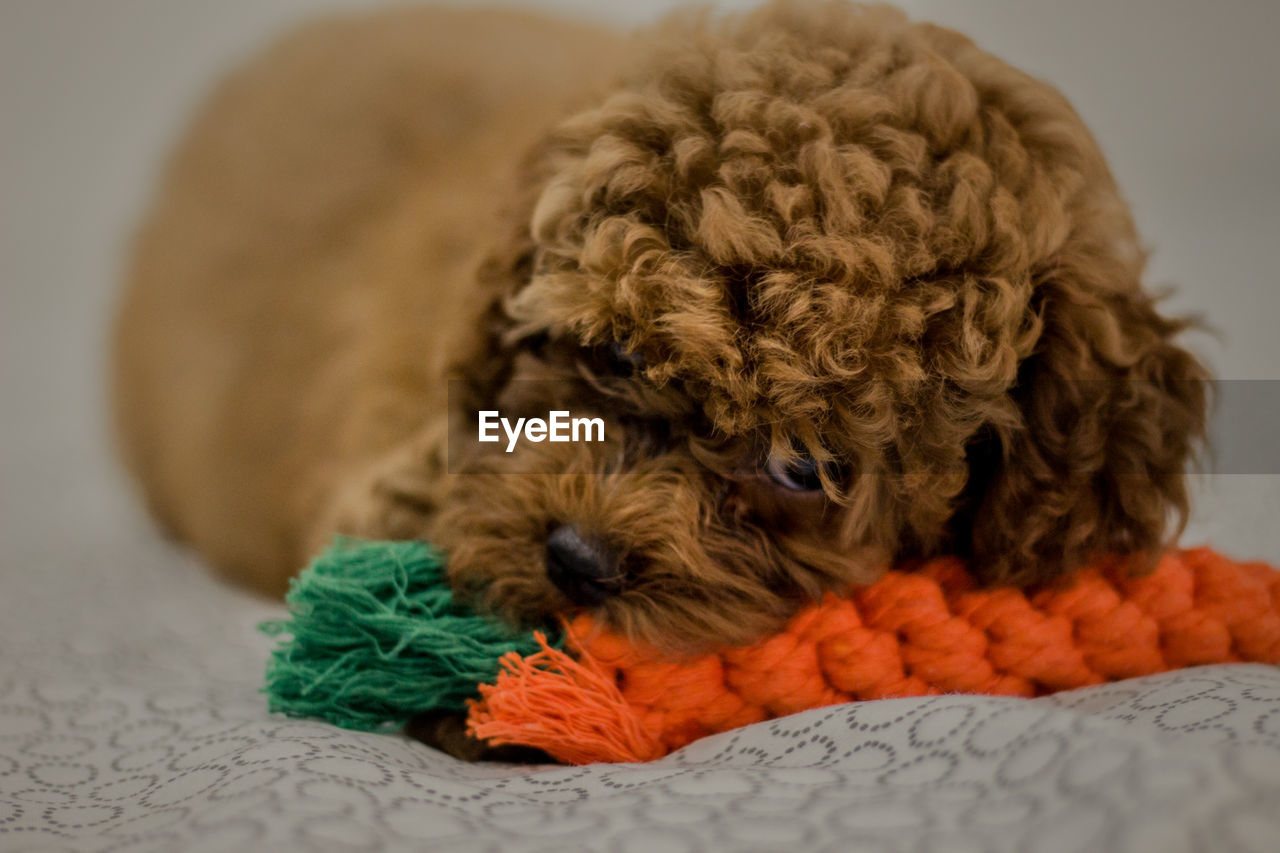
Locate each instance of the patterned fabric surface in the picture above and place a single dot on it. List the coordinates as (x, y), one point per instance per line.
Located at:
(130, 721)
(1189, 761)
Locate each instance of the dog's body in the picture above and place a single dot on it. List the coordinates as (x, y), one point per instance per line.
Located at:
(308, 270)
(853, 288)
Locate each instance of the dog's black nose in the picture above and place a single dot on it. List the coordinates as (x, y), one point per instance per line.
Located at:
(582, 567)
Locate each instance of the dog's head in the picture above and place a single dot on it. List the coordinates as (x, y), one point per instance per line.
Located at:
(848, 289)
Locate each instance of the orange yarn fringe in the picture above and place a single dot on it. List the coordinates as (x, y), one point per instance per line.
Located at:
(913, 633)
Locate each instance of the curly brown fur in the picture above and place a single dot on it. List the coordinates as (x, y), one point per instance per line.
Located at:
(822, 229)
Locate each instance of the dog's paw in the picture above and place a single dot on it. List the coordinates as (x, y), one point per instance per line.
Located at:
(396, 498)
(447, 732)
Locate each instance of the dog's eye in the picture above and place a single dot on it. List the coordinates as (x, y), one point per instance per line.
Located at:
(535, 343)
(799, 474)
(620, 360)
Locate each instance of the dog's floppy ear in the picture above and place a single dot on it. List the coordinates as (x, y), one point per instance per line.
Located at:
(487, 365)
(504, 269)
(1111, 411)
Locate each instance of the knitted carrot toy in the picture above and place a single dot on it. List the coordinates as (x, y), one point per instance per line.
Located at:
(376, 637)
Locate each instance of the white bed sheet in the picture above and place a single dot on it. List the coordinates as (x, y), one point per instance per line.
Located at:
(130, 720)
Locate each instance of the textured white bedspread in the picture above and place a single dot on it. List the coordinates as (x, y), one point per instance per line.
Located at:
(130, 720)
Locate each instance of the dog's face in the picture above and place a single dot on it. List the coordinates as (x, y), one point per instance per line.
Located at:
(681, 533)
(831, 279)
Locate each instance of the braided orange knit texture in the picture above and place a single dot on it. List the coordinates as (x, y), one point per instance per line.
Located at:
(922, 630)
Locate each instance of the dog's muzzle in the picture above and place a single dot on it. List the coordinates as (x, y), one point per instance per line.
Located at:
(584, 568)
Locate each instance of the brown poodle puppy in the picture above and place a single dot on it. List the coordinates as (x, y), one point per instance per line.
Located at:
(845, 288)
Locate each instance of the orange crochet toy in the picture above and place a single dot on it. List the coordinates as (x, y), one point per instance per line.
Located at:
(920, 630)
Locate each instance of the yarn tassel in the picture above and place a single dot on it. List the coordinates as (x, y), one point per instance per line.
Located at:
(378, 637)
(567, 706)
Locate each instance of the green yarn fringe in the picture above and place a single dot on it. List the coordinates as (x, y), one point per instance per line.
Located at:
(377, 637)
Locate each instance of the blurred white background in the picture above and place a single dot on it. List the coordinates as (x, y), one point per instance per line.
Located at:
(1181, 94)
